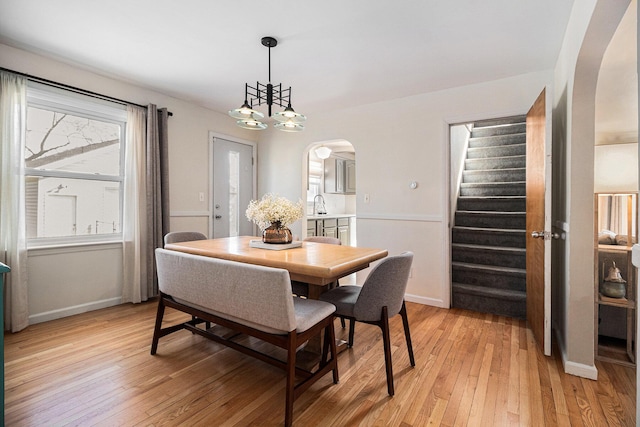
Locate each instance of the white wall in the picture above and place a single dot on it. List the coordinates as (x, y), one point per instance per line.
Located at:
(590, 28)
(64, 281)
(616, 168)
(393, 152)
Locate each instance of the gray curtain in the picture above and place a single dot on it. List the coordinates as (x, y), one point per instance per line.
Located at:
(157, 183)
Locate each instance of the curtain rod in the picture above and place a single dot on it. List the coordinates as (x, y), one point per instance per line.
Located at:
(75, 89)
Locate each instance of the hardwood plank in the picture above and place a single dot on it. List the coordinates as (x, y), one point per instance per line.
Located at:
(470, 341)
(471, 369)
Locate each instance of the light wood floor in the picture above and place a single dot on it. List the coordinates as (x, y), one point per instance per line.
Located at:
(471, 369)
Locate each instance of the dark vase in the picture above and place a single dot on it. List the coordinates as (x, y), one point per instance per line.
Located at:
(613, 289)
(276, 233)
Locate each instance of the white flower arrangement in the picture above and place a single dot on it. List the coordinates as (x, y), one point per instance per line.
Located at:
(273, 208)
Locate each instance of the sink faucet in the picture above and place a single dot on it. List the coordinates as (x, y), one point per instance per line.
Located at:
(319, 208)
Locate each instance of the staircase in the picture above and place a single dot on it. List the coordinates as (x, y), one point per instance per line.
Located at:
(488, 236)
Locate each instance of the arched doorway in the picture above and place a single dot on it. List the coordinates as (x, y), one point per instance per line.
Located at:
(329, 189)
(573, 177)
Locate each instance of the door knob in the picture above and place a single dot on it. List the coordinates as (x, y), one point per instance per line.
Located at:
(545, 235)
(218, 216)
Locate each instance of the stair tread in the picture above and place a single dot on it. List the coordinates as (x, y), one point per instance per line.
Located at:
(497, 148)
(493, 171)
(495, 157)
(504, 121)
(493, 248)
(479, 289)
(504, 135)
(506, 129)
(480, 126)
(490, 230)
(498, 158)
(475, 184)
(489, 267)
(492, 197)
(493, 213)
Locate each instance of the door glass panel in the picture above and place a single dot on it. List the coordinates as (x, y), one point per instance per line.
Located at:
(234, 192)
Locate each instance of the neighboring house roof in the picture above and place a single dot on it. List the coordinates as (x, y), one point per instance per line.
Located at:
(76, 159)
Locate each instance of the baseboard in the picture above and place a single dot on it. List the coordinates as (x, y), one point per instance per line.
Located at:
(425, 300)
(573, 368)
(76, 309)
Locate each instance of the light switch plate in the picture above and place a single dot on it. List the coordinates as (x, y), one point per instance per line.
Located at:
(635, 255)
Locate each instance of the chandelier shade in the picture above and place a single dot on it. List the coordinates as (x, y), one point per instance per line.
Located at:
(269, 94)
(251, 124)
(289, 126)
(246, 112)
(289, 115)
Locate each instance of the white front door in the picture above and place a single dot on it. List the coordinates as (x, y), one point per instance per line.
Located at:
(232, 188)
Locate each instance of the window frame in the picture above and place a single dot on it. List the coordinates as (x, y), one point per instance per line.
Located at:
(65, 101)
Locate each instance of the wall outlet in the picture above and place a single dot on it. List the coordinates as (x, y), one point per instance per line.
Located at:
(201, 196)
(411, 273)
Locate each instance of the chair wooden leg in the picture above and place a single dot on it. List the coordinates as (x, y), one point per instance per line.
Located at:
(334, 351)
(335, 285)
(407, 334)
(325, 347)
(386, 340)
(352, 328)
(158, 327)
(290, 381)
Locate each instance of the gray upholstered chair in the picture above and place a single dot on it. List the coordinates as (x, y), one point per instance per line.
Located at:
(302, 289)
(183, 236)
(381, 297)
(324, 239)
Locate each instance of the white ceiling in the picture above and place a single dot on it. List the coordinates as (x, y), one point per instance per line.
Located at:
(334, 53)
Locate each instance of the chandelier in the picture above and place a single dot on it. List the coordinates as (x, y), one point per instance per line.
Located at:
(248, 118)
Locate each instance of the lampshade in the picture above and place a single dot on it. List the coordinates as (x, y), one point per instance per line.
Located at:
(246, 112)
(289, 126)
(251, 124)
(288, 114)
(323, 152)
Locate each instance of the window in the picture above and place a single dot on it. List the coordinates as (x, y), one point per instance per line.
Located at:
(74, 167)
(234, 193)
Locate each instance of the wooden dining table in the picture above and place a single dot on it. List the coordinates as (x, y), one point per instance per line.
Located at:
(318, 264)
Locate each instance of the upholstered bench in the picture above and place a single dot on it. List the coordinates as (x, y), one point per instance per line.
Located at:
(249, 299)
